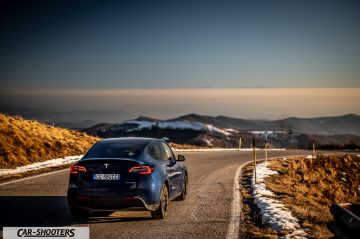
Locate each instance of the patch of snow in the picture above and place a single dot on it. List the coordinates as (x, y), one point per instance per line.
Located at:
(212, 128)
(273, 211)
(221, 149)
(231, 130)
(40, 165)
(268, 132)
(310, 157)
(208, 142)
(177, 125)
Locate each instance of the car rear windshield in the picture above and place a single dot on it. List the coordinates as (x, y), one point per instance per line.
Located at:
(114, 150)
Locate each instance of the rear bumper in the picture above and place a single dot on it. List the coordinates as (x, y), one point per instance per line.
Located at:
(108, 199)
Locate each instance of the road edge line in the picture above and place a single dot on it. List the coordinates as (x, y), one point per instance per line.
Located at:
(236, 205)
(236, 211)
(35, 176)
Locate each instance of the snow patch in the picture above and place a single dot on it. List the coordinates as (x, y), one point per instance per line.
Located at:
(273, 211)
(40, 165)
(177, 125)
(208, 142)
(221, 149)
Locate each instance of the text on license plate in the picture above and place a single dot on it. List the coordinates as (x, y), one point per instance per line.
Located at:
(104, 176)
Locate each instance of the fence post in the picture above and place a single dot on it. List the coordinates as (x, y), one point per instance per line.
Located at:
(266, 152)
(313, 146)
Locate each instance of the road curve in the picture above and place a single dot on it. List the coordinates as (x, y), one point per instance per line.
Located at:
(205, 213)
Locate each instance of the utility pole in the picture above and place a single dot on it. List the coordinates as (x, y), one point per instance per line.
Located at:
(240, 143)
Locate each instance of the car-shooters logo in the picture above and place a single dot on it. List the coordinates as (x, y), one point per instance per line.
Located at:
(46, 232)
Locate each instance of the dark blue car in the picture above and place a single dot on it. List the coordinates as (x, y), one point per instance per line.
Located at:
(123, 173)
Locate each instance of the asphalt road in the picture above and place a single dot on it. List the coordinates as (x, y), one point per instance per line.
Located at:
(205, 213)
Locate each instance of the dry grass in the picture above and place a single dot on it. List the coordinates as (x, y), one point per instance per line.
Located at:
(24, 142)
(308, 187)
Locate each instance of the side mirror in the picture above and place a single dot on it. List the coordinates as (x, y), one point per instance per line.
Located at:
(181, 157)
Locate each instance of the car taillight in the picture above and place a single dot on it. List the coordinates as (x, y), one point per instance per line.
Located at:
(77, 169)
(141, 169)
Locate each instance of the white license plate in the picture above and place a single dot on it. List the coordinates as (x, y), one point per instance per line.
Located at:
(104, 176)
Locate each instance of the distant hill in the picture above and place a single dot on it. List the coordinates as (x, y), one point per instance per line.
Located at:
(346, 124)
(222, 131)
(28, 141)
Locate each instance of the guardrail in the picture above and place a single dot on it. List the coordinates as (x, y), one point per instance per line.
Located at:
(347, 220)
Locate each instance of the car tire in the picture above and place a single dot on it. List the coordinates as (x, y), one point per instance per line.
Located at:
(161, 211)
(182, 196)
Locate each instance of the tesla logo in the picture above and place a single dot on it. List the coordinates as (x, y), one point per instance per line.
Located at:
(106, 165)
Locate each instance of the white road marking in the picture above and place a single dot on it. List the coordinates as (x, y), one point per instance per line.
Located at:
(32, 177)
(235, 216)
(236, 205)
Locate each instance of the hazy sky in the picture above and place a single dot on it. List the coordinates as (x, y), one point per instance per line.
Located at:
(109, 60)
(179, 44)
(120, 105)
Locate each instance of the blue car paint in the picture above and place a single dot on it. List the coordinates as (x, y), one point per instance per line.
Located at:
(134, 190)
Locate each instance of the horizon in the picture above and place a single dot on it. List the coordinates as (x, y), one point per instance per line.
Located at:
(118, 105)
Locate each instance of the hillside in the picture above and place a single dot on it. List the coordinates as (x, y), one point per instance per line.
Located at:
(307, 187)
(27, 141)
(346, 124)
(221, 131)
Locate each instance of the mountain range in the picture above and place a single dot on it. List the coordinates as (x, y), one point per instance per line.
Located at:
(222, 131)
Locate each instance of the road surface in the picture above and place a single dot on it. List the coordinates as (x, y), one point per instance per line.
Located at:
(205, 213)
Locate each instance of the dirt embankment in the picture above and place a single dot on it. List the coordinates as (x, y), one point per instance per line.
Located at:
(27, 141)
(308, 187)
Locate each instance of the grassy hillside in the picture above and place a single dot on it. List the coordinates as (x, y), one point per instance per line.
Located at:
(26, 141)
(308, 187)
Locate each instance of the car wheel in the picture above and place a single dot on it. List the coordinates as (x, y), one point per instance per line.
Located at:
(161, 211)
(184, 190)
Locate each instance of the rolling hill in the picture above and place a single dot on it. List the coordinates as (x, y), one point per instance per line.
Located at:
(27, 141)
(346, 124)
(222, 131)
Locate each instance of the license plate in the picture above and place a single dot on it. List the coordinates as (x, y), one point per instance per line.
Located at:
(104, 176)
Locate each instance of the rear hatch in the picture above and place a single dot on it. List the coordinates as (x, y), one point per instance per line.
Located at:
(108, 172)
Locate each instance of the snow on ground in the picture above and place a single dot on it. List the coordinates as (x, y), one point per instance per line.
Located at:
(73, 159)
(222, 149)
(208, 142)
(40, 165)
(178, 125)
(273, 211)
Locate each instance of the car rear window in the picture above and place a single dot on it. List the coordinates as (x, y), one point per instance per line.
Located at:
(113, 150)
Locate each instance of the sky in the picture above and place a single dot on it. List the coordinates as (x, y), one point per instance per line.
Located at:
(128, 45)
